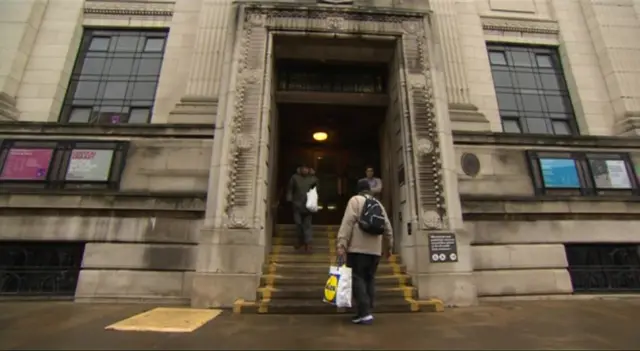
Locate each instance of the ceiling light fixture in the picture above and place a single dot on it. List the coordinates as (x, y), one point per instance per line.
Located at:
(320, 136)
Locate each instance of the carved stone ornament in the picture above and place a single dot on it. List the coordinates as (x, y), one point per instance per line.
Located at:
(244, 142)
(411, 27)
(432, 220)
(256, 19)
(417, 81)
(424, 146)
(517, 25)
(335, 23)
(237, 220)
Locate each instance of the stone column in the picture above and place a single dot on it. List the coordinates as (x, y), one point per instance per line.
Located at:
(19, 24)
(464, 115)
(437, 195)
(231, 248)
(614, 32)
(200, 100)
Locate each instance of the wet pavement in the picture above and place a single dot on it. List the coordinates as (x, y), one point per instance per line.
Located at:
(586, 324)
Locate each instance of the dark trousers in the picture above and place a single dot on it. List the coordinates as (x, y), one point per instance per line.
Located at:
(363, 267)
(303, 227)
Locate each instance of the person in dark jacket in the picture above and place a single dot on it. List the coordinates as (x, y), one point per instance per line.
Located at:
(300, 183)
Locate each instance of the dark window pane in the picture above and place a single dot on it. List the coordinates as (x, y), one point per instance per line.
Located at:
(497, 58)
(115, 90)
(551, 82)
(80, 115)
(150, 67)
(99, 44)
(511, 126)
(526, 80)
(507, 101)
(544, 61)
(521, 59)
(531, 102)
(561, 128)
(537, 125)
(502, 79)
(154, 45)
(86, 90)
(121, 67)
(557, 104)
(139, 115)
(127, 44)
(93, 66)
(144, 91)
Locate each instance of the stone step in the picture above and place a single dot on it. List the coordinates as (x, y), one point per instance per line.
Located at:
(290, 241)
(315, 293)
(386, 305)
(319, 280)
(289, 249)
(316, 257)
(320, 268)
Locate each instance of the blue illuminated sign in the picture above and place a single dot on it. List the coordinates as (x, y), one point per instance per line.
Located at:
(559, 173)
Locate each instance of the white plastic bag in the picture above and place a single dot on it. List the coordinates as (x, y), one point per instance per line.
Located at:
(343, 295)
(312, 200)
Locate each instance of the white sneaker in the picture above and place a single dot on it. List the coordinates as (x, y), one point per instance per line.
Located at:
(363, 320)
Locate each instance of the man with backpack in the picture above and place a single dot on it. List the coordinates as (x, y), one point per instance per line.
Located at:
(364, 225)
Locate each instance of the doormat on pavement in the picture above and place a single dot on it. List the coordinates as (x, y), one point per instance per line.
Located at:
(166, 320)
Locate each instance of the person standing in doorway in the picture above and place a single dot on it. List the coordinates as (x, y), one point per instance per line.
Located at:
(374, 183)
(299, 184)
(362, 250)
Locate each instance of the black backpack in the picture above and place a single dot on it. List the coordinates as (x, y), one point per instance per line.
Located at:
(371, 219)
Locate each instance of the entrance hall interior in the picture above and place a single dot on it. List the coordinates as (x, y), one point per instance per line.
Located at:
(338, 90)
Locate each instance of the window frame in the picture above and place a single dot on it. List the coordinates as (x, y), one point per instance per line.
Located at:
(520, 115)
(102, 108)
(57, 172)
(587, 183)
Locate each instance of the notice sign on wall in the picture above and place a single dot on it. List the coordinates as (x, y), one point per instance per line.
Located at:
(27, 164)
(559, 173)
(89, 165)
(443, 247)
(610, 174)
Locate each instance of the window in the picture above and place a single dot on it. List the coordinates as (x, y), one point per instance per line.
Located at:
(595, 267)
(61, 164)
(582, 173)
(531, 90)
(115, 77)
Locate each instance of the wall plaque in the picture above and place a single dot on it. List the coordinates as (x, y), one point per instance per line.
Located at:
(443, 247)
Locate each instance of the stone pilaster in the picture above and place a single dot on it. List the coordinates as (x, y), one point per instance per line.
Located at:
(436, 172)
(200, 100)
(231, 248)
(614, 31)
(19, 24)
(464, 114)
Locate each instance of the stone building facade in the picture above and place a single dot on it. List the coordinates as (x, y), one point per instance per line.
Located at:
(518, 125)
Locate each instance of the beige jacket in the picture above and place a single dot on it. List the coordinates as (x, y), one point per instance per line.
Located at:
(353, 239)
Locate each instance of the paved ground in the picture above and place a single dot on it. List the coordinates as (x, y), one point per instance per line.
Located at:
(589, 324)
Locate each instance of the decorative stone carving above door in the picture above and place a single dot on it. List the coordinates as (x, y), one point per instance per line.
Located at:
(249, 104)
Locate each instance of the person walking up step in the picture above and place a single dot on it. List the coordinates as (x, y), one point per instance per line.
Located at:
(364, 226)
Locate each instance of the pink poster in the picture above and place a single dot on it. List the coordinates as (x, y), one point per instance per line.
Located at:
(27, 164)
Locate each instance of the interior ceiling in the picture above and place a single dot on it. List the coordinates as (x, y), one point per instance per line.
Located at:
(345, 125)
